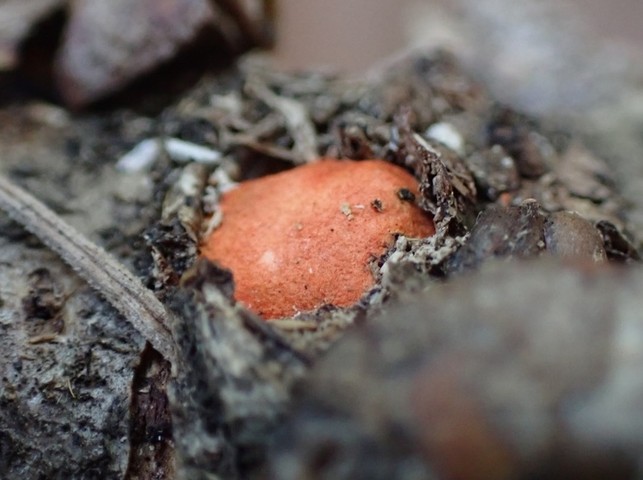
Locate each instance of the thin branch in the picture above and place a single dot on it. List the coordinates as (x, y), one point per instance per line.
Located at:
(105, 274)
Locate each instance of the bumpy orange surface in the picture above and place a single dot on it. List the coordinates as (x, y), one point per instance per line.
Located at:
(306, 237)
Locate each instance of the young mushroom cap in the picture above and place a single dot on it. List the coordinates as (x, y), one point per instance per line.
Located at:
(307, 237)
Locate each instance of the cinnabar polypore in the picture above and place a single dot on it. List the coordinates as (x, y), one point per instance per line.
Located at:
(306, 237)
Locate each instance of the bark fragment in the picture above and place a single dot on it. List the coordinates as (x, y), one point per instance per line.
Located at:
(544, 383)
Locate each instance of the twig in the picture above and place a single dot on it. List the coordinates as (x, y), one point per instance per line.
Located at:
(105, 274)
(296, 116)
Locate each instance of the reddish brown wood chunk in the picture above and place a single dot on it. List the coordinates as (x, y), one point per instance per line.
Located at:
(108, 44)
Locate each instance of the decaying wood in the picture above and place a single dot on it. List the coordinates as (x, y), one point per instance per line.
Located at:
(495, 193)
(466, 380)
(72, 390)
(235, 376)
(122, 289)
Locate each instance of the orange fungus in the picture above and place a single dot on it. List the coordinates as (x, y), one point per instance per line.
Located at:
(300, 239)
